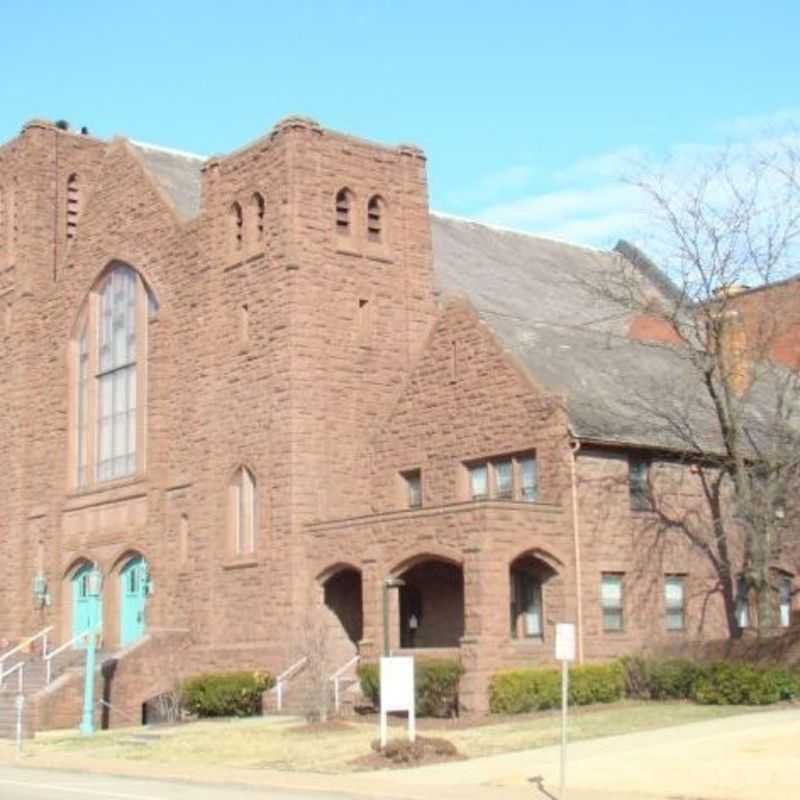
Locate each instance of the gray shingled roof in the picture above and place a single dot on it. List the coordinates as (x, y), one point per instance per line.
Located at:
(178, 174)
(536, 295)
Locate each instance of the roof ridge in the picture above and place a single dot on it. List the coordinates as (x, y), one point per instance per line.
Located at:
(168, 150)
(527, 234)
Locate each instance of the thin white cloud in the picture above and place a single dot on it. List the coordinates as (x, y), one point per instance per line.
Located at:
(589, 201)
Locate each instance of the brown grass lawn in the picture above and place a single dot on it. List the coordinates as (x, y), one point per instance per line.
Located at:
(285, 744)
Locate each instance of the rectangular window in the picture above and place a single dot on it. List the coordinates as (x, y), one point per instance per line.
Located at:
(413, 483)
(611, 598)
(742, 609)
(479, 482)
(528, 481)
(526, 605)
(639, 483)
(504, 479)
(785, 609)
(675, 602)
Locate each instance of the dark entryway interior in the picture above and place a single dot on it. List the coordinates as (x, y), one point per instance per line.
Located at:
(432, 605)
(343, 597)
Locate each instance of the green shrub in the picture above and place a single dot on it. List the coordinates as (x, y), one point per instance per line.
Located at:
(732, 683)
(673, 678)
(521, 690)
(435, 686)
(225, 694)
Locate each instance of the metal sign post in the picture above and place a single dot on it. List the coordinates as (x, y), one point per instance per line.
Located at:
(19, 705)
(397, 693)
(565, 652)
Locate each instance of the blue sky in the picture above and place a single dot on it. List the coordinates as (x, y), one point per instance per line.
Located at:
(529, 112)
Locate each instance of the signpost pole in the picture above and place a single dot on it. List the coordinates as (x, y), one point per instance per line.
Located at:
(565, 652)
(19, 705)
(564, 697)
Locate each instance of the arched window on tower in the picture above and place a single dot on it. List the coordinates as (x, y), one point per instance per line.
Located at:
(243, 512)
(344, 204)
(237, 226)
(73, 206)
(257, 212)
(375, 219)
(3, 227)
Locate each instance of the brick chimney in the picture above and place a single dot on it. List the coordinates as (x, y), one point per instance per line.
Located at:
(733, 350)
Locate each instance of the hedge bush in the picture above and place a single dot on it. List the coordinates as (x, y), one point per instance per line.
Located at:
(225, 694)
(661, 679)
(520, 690)
(435, 686)
(718, 683)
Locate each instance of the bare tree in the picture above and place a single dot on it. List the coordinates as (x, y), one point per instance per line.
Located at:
(731, 224)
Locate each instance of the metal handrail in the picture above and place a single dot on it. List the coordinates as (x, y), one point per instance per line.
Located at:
(336, 678)
(25, 642)
(283, 678)
(48, 659)
(20, 667)
(21, 646)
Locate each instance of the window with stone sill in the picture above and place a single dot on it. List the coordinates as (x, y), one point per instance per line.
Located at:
(511, 477)
(109, 360)
(785, 592)
(742, 602)
(236, 224)
(412, 485)
(612, 601)
(675, 602)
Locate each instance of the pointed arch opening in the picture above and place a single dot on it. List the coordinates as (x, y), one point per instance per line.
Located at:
(345, 200)
(73, 203)
(242, 512)
(376, 212)
(109, 370)
(258, 210)
(236, 224)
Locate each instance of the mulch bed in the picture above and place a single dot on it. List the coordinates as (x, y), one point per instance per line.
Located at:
(401, 753)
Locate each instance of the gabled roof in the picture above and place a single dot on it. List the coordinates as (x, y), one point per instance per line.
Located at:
(177, 174)
(539, 296)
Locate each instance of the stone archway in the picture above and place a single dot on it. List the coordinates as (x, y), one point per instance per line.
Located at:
(343, 595)
(432, 604)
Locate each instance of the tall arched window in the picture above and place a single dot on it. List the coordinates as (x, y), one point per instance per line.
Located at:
(243, 512)
(257, 213)
(344, 204)
(110, 356)
(375, 209)
(237, 226)
(73, 206)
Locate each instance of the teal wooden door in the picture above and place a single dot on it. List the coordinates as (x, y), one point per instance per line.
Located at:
(133, 596)
(87, 614)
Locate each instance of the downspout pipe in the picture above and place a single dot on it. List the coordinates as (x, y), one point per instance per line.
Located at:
(575, 446)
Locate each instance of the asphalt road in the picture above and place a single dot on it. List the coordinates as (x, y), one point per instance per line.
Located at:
(31, 784)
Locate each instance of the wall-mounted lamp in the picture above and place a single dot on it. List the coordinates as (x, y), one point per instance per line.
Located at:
(41, 596)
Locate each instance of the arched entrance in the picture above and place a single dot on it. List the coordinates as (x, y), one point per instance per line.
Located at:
(343, 596)
(528, 576)
(87, 611)
(133, 581)
(432, 605)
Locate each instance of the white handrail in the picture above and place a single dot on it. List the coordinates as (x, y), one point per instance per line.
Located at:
(48, 659)
(337, 676)
(284, 677)
(18, 667)
(21, 646)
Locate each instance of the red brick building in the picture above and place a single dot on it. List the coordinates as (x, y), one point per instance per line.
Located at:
(240, 385)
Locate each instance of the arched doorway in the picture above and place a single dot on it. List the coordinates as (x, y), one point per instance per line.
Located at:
(528, 576)
(343, 596)
(133, 582)
(87, 611)
(432, 605)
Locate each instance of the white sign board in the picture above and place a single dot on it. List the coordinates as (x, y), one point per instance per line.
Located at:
(565, 642)
(397, 692)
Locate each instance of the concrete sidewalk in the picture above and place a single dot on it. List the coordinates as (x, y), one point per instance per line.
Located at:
(750, 757)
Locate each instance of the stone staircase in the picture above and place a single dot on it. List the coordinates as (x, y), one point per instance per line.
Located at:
(300, 689)
(34, 681)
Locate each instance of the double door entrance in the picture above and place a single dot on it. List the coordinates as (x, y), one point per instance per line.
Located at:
(87, 602)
